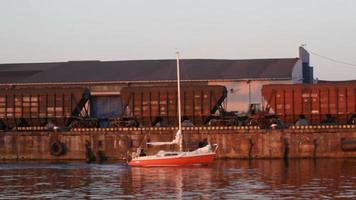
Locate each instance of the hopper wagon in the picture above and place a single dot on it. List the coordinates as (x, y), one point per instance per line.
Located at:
(314, 101)
(152, 105)
(35, 107)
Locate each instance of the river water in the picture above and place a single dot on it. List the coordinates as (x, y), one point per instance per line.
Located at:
(225, 179)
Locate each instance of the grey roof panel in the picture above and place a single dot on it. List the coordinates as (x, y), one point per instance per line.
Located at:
(159, 70)
(15, 76)
(12, 73)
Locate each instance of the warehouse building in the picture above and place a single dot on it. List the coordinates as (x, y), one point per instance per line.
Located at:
(243, 79)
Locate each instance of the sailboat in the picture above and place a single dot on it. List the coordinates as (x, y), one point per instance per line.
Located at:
(201, 156)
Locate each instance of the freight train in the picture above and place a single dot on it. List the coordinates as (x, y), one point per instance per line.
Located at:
(157, 106)
(135, 106)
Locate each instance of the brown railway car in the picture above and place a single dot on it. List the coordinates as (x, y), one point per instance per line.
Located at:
(314, 101)
(150, 105)
(33, 107)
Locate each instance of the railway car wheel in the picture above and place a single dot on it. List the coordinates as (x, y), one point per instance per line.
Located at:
(85, 123)
(253, 122)
(115, 123)
(352, 120)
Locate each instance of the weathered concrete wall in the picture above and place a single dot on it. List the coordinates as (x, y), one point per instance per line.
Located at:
(233, 142)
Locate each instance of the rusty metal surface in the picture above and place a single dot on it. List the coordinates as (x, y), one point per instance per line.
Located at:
(148, 103)
(315, 101)
(23, 107)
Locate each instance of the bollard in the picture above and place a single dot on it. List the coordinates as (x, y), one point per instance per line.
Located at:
(101, 153)
(90, 156)
(250, 148)
(316, 143)
(286, 148)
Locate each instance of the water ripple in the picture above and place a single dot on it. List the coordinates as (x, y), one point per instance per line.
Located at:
(231, 179)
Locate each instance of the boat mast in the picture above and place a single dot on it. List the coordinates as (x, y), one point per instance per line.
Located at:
(179, 104)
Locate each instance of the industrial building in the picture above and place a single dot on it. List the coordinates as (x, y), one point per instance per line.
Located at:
(243, 79)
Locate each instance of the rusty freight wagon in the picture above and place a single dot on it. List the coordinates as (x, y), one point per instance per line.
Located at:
(152, 105)
(315, 101)
(34, 107)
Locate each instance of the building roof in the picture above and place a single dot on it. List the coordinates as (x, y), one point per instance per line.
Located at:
(13, 73)
(146, 70)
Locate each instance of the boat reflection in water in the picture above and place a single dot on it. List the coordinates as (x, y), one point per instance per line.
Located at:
(172, 182)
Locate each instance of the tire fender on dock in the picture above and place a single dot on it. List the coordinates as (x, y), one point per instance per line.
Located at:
(57, 148)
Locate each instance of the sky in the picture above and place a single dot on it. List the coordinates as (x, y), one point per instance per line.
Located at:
(66, 30)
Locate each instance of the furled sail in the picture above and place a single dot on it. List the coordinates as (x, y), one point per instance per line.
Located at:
(177, 140)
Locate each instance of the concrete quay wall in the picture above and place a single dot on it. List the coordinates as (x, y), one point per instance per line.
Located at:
(233, 142)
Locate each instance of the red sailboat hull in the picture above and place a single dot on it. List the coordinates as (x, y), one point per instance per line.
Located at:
(180, 160)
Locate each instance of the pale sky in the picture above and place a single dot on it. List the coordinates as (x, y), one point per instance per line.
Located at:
(63, 30)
